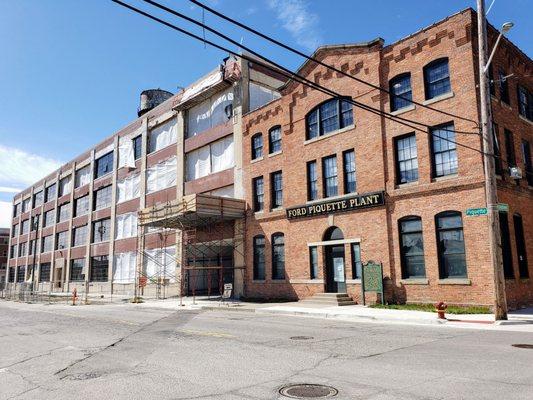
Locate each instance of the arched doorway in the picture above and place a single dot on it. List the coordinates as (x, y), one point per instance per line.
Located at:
(334, 254)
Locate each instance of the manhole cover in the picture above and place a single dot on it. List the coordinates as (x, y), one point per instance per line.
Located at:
(308, 391)
(301, 337)
(84, 376)
(523, 346)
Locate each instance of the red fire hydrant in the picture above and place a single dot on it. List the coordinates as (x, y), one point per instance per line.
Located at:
(441, 307)
(74, 296)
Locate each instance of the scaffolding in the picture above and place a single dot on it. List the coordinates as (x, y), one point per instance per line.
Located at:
(210, 245)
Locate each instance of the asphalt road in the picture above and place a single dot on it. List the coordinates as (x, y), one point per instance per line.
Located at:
(128, 352)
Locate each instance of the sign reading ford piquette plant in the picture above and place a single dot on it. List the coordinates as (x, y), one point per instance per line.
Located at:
(338, 205)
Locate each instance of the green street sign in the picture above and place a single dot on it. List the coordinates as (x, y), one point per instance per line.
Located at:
(475, 212)
(503, 207)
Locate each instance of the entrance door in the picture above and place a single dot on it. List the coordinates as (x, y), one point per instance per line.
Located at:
(335, 276)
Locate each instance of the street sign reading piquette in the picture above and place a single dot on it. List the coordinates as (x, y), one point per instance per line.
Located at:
(474, 212)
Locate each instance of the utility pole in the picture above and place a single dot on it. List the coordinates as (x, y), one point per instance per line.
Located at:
(500, 302)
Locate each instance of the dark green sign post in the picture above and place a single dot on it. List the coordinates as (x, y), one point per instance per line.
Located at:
(372, 279)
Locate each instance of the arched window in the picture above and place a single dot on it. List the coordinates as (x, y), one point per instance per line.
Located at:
(278, 256)
(257, 146)
(259, 257)
(437, 78)
(328, 117)
(451, 245)
(412, 247)
(400, 86)
(520, 246)
(333, 233)
(274, 139)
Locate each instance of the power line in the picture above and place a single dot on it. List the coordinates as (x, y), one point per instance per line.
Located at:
(295, 76)
(301, 54)
(279, 66)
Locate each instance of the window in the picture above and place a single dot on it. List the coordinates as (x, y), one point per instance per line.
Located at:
(38, 198)
(259, 258)
(437, 78)
(214, 111)
(258, 192)
(126, 225)
(278, 256)
(44, 272)
(161, 176)
(24, 226)
(11, 275)
(50, 193)
(99, 268)
(507, 256)
(329, 168)
(47, 244)
(64, 186)
(124, 267)
(25, 205)
(525, 103)
(49, 218)
(274, 140)
(400, 92)
(520, 246)
(406, 159)
(33, 247)
(35, 222)
(13, 251)
(103, 165)
(312, 181)
(451, 246)
(128, 188)
(528, 165)
(260, 95)
(209, 159)
(412, 248)
(82, 176)
(79, 236)
(76, 270)
(16, 210)
(357, 265)
(23, 247)
(444, 150)
(21, 274)
(15, 230)
(313, 262)
(509, 148)
(101, 230)
(102, 198)
(257, 146)
(61, 240)
(276, 185)
(328, 117)
(137, 147)
(497, 152)
(504, 86)
(63, 212)
(162, 136)
(350, 184)
(82, 205)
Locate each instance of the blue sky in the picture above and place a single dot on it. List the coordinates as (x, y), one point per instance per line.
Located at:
(71, 71)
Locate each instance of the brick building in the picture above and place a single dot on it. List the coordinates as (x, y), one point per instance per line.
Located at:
(331, 186)
(4, 248)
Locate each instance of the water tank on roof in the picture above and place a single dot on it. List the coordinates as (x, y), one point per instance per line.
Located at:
(151, 98)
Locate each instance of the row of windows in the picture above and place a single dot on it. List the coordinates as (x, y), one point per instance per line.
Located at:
(510, 155)
(523, 96)
(277, 256)
(274, 142)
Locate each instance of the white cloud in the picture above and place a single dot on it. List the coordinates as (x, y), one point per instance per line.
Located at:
(5, 214)
(299, 21)
(5, 189)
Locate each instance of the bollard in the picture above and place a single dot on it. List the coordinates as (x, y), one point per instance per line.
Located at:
(74, 295)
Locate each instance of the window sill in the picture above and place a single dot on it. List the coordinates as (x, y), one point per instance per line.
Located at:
(444, 178)
(258, 281)
(353, 281)
(525, 119)
(414, 281)
(275, 153)
(307, 281)
(406, 184)
(329, 134)
(256, 160)
(403, 110)
(445, 96)
(455, 281)
(277, 209)
(339, 197)
(259, 213)
(282, 281)
(95, 180)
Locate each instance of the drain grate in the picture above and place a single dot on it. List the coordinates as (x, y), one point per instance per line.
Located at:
(308, 391)
(523, 346)
(301, 337)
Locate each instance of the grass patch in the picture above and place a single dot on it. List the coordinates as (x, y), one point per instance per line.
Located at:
(431, 308)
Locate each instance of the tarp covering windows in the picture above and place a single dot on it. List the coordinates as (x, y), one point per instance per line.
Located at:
(214, 111)
(126, 154)
(124, 267)
(161, 176)
(128, 188)
(160, 263)
(83, 176)
(126, 225)
(209, 159)
(261, 95)
(162, 136)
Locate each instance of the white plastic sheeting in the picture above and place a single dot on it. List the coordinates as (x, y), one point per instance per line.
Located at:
(261, 95)
(83, 176)
(201, 86)
(124, 267)
(163, 135)
(161, 176)
(160, 263)
(128, 188)
(126, 155)
(126, 225)
(226, 191)
(209, 159)
(209, 113)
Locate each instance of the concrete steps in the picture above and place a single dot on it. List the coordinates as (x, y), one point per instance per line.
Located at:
(329, 299)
